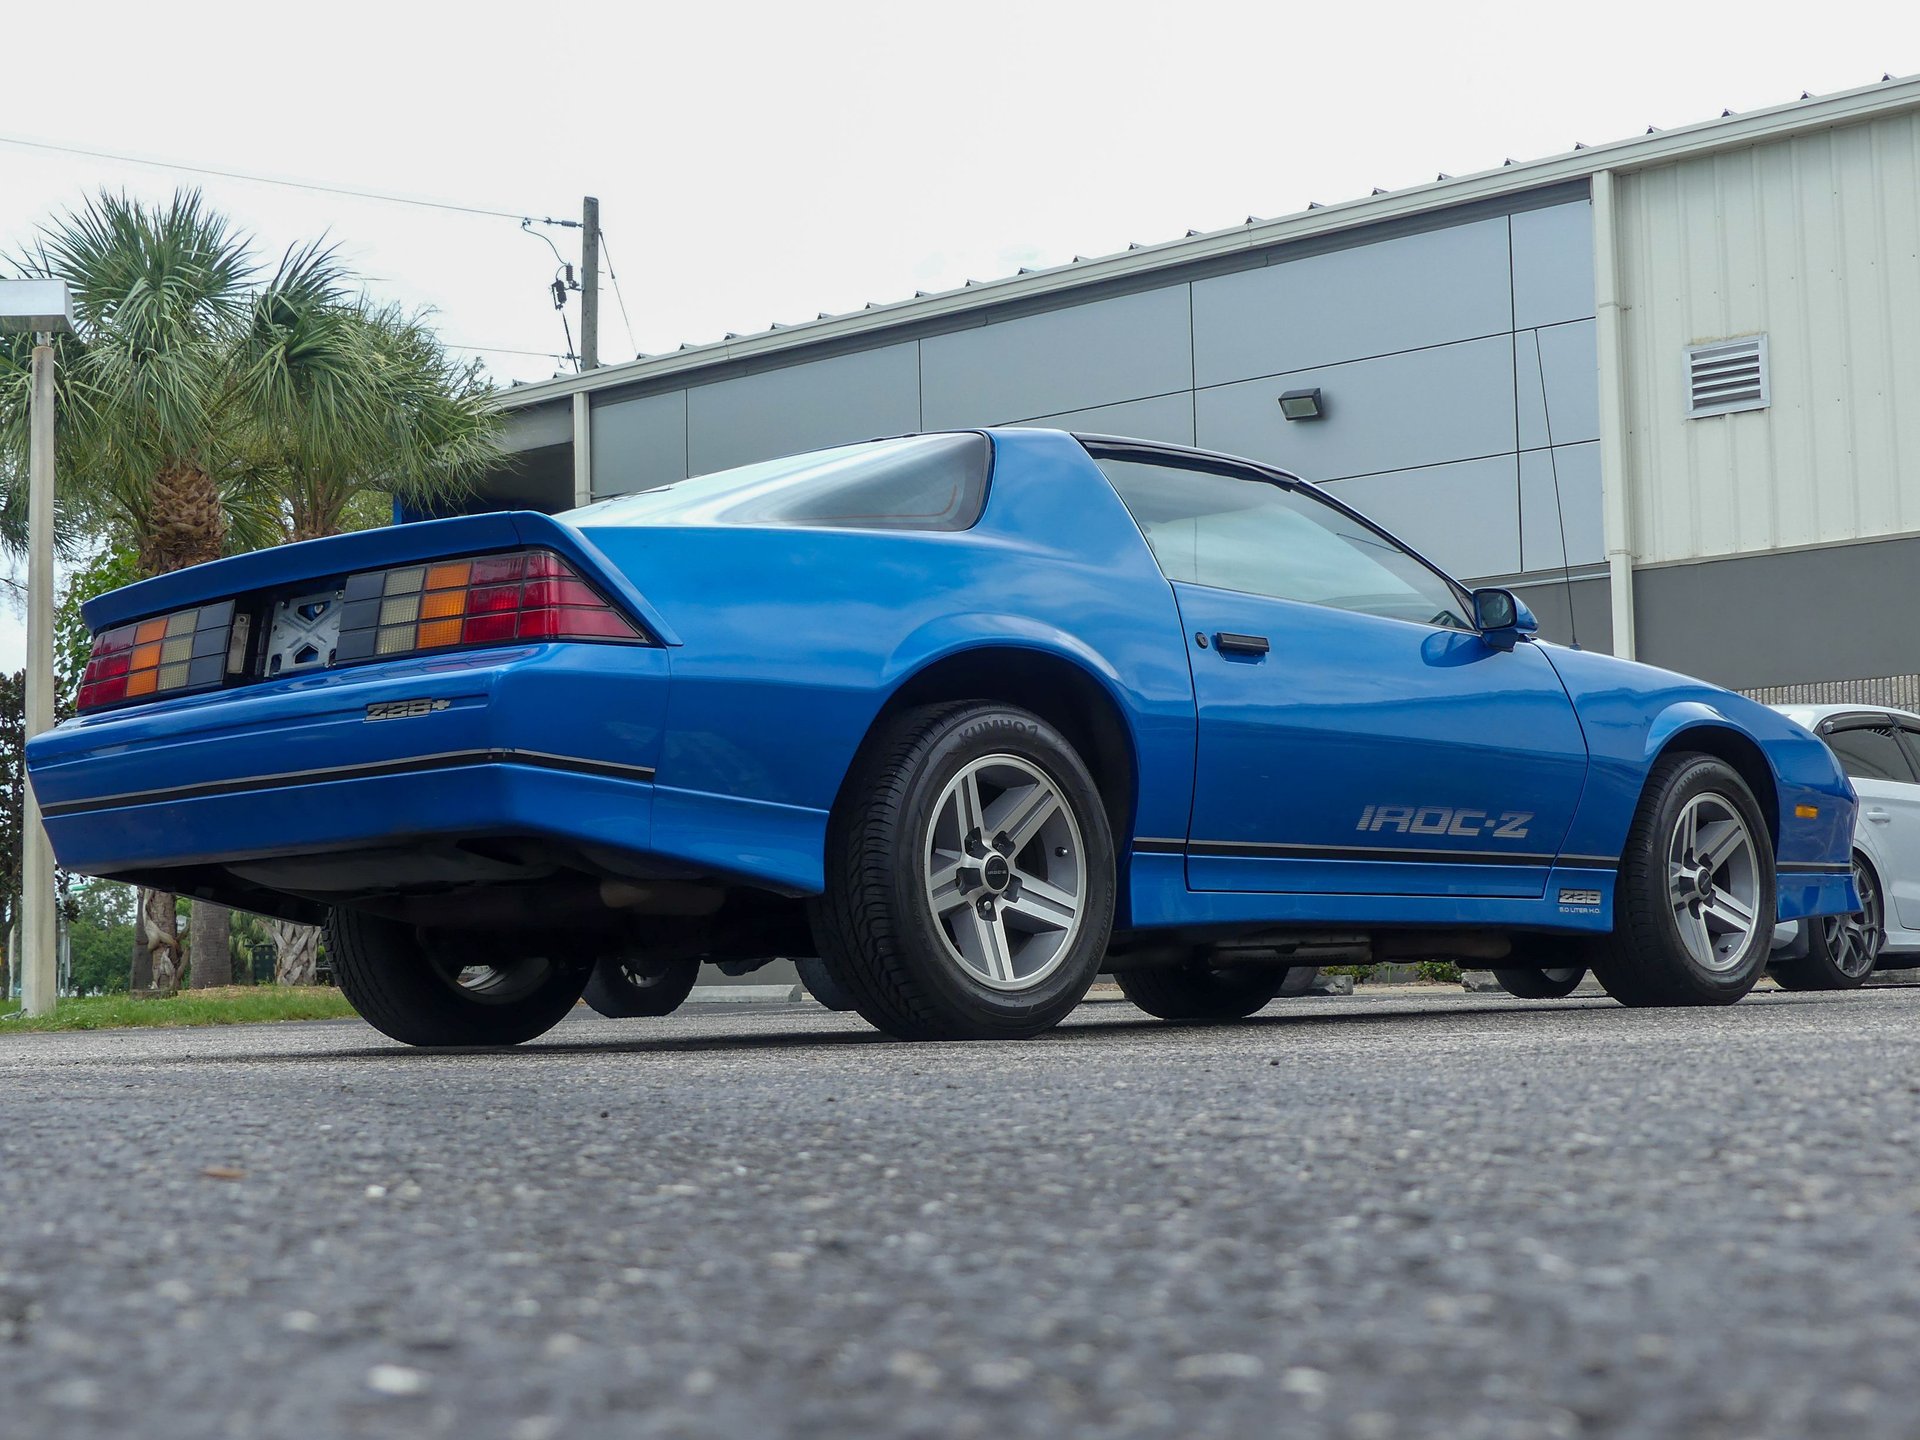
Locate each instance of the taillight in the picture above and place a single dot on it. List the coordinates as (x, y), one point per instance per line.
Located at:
(490, 600)
(169, 655)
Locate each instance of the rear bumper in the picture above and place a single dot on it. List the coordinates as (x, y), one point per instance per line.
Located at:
(557, 742)
(273, 817)
(553, 740)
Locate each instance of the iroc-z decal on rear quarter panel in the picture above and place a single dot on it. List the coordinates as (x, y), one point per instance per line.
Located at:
(1445, 820)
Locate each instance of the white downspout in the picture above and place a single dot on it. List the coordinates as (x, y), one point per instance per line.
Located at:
(1615, 481)
(582, 450)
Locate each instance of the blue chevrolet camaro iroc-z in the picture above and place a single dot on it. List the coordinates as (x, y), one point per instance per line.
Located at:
(968, 717)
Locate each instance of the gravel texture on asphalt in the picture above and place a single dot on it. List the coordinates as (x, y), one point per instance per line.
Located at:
(1411, 1214)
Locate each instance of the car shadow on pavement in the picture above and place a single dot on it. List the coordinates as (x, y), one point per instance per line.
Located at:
(1086, 1027)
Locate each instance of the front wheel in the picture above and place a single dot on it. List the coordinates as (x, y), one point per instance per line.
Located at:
(1841, 949)
(970, 877)
(1694, 903)
(1195, 990)
(447, 993)
(624, 986)
(1550, 984)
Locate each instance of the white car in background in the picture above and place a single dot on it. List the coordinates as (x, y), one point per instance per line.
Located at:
(1879, 748)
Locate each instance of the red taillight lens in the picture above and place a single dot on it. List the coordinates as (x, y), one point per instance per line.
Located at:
(491, 600)
(167, 655)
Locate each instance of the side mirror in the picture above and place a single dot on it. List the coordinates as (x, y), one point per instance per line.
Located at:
(1502, 617)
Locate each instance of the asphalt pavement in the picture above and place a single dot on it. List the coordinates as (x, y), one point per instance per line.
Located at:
(1414, 1213)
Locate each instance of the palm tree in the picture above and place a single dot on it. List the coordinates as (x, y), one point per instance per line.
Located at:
(202, 410)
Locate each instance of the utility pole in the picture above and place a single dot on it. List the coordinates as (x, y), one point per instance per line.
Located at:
(590, 283)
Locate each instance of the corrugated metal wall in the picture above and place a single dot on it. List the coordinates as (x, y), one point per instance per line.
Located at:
(1814, 242)
(1900, 691)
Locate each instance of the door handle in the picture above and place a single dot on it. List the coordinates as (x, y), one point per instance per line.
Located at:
(1241, 644)
(1878, 816)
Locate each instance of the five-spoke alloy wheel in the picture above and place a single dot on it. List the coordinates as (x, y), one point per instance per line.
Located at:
(1005, 872)
(1841, 949)
(1694, 902)
(624, 986)
(449, 992)
(1548, 983)
(970, 876)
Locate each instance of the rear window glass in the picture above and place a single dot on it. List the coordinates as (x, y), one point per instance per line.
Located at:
(925, 482)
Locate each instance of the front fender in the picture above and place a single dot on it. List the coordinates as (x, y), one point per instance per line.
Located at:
(1632, 714)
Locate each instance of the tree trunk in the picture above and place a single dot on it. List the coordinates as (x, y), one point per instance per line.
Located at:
(161, 925)
(186, 522)
(141, 976)
(296, 949)
(209, 945)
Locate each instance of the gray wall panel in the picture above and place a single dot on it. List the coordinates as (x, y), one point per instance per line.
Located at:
(1592, 612)
(538, 426)
(1843, 612)
(1168, 418)
(1568, 357)
(1553, 264)
(639, 443)
(1578, 505)
(1461, 517)
(1452, 402)
(1399, 294)
(1106, 351)
(803, 407)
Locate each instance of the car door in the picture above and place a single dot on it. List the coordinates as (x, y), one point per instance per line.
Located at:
(1871, 751)
(1355, 733)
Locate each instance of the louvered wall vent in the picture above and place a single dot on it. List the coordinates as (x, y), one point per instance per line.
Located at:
(1726, 376)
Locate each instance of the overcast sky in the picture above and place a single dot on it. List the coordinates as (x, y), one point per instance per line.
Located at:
(765, 162)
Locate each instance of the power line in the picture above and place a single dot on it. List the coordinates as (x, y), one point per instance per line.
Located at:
(613, 276)
(314, 186)
(504, 350)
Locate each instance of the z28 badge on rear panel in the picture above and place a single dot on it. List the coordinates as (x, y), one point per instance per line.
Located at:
(404, 709)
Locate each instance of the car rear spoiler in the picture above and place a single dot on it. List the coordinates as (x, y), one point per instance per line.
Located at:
(315, 561)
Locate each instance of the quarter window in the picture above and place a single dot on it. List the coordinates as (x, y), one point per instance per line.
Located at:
(1871, 752)
(923, 482)
(1238, 532)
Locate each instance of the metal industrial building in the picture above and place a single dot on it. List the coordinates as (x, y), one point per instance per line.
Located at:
(1668, 388)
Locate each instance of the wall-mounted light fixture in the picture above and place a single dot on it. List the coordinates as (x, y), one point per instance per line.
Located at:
(1301, 404)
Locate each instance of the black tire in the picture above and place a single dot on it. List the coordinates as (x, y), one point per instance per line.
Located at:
(625, 986)
(876, 926)
(1842, 950)
(1646, 959)
(1195, 990)
(821, 985)
(1551, 984)
(403, 991)
(1297, 980)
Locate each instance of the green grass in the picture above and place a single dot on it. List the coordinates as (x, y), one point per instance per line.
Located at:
(234, 1005)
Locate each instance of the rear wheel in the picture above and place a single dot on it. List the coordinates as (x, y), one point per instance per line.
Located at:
(1195, 990)
(624, 986)
(1841, 949)
(437, 995)
(969, 877)
(1694, 903)
(1549, 984)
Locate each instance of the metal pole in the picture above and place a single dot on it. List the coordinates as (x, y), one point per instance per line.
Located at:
(1616, 482)
(590, 283)
(38, 961)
